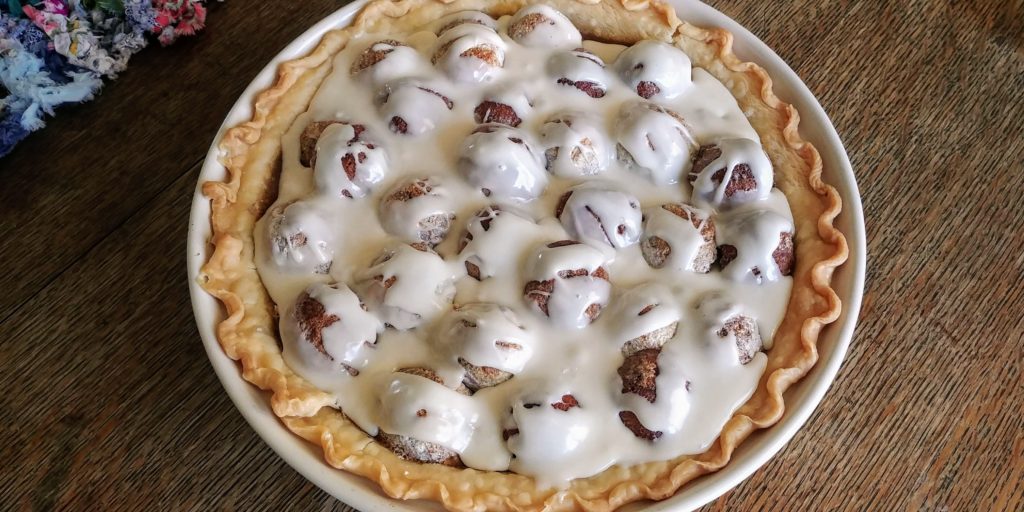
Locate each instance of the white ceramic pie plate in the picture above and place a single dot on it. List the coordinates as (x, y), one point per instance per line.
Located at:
(801, 399)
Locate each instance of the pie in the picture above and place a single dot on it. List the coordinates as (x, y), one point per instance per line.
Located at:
(521, 256)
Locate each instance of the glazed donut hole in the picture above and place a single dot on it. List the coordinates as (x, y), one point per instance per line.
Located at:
(581, 70)
(756, 245)
(469, 53)
(413, 449)
(575, 145)
(730, 172)
(385, 60)
(500, 161)
(547, 414)
(730, 325)
(569, 286)
(463, 17)
(653, 140)
(782, 256)
(347, 160)
(407, 285)
(743, 330)
(309, 137)
(488, 341)
(597, 213)
(330, 323)
(418, 210)
(679, 237)
(646, 318)
(541, 26)
(486, 233)
(507, 105)
(299, 238)
(654, 69)
(413, 106)
(639, 375)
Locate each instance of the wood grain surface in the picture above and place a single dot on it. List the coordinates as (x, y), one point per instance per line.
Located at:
(109, 402)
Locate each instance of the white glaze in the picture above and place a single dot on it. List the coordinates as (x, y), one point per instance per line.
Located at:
(402, 218)
(400, 60)
(448, 21)
(578, 66)
(555, 31)
(501, 162)
(298, 238)
(683, 237)
(486, 335)
(421, 105)
(423, 287)
(568, 302)
(625, 316)
(337, 142)
(659, 143)
(600, 214)
(708, 194)
(513, 94)
(582, 144)
(563, 359)
(452, 47)
(348, 340)
(489, 248)
(754, 230)
(656, 62)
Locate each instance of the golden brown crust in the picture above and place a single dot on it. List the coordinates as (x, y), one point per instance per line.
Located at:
(251, 153)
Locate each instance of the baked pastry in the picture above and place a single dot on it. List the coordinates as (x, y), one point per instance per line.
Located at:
(575, 145)
(523, 255)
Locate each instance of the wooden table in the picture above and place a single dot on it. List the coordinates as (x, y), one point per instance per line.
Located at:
(108, 401)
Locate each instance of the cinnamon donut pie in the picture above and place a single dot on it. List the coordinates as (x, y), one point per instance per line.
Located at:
(523, 255)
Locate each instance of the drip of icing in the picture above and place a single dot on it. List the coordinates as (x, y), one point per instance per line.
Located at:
(708, 194)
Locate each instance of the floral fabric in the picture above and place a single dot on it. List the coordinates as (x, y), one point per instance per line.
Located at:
(59, 51)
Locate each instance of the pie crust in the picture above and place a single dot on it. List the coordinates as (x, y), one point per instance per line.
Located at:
(251, 154)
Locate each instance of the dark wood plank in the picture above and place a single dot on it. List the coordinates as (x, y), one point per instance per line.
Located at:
(67, 186)
(129, 414)
(114, 405)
